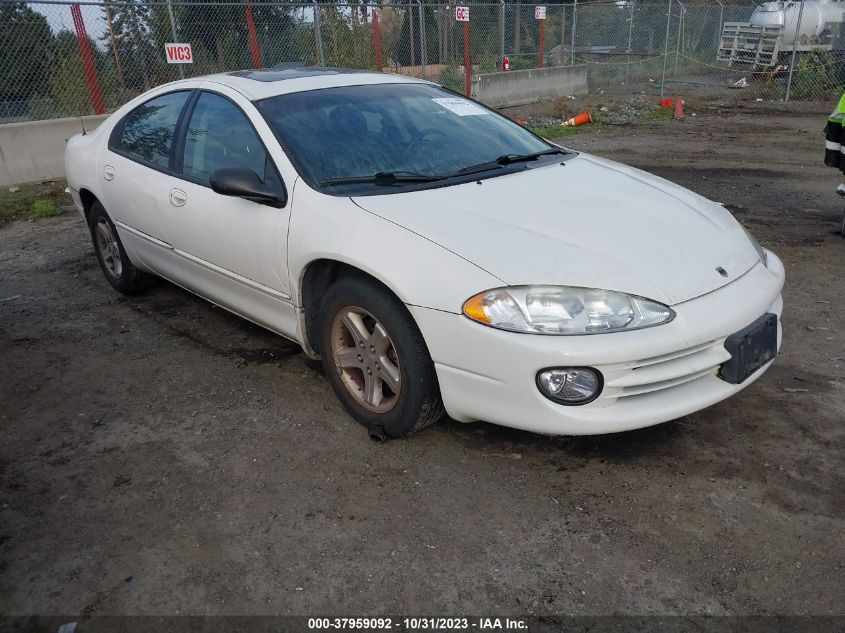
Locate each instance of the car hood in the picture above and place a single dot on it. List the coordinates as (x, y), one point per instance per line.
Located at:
(590, 222)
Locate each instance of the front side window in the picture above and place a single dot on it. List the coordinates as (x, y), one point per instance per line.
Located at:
(219, 135)
(415, 130)
(148, 130)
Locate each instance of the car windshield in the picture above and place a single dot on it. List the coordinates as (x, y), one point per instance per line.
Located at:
(381, 137)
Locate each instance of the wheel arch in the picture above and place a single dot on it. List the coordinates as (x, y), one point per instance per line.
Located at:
(315, 279)
(88, 199)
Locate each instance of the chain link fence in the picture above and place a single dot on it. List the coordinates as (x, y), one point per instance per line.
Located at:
(67, 59)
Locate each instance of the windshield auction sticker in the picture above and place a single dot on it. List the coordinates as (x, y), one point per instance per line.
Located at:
(461, 107)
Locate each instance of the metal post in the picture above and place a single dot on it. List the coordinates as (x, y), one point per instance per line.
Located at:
(540, 61)
(423, 54)
(317, 35)
(254, 46)
(501, 34)
(411, 33)
(467, 64)
(562, 32)
(572, 42)
(665, 50)
(721, 17)
(377, 42)
(794, 51)
(681, 10)
(175, 37)
(87, 60)
(720, 30)
(630, 34)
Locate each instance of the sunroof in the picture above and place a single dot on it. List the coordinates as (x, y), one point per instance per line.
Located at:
(276, 74)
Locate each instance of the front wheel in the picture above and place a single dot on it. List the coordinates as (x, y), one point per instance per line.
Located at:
(376, 359)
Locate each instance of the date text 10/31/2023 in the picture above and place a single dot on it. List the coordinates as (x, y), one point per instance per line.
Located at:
(418, 624)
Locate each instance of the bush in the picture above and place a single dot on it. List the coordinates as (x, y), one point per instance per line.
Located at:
(819, 75)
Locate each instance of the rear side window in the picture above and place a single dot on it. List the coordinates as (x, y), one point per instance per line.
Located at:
(148, 130)
(220, 135)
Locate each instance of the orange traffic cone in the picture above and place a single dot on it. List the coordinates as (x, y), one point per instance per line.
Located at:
(679, 109)
(579, 119)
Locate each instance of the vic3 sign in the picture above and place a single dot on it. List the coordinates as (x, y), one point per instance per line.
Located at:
(462, 14)
(178, 53)
(539, 13)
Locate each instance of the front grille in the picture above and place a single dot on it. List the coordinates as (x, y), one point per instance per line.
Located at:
(666, 371)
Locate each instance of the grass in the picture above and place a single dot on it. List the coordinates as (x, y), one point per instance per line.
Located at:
(39, 200)
(600, 120)
(560, 131)
(660, 114)
(44, 208)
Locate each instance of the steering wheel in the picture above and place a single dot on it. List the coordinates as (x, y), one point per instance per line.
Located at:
(430, 131)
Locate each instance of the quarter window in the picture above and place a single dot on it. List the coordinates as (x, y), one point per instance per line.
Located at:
(148, 130)
(219, 135)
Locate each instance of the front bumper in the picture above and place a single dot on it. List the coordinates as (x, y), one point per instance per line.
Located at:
(650, 375)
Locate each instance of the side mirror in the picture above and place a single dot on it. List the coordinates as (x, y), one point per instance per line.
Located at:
(242, 182)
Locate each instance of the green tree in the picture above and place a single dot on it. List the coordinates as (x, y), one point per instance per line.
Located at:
(137, 46)
(219, 31)
(403, 53)
(25, 40)
(67, 85)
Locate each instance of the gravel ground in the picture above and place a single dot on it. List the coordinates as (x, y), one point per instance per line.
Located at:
(161, 456)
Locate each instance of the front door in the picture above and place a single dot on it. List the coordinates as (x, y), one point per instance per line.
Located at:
(234, 250)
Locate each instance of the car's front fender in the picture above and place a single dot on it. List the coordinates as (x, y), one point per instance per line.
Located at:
(418, 271)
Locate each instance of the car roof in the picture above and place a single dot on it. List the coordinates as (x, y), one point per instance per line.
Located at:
(269, 82)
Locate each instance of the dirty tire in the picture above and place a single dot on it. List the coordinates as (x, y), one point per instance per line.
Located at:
(114, 262)
(418, 402)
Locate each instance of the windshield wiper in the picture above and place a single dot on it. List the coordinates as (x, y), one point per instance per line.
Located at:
(505, 159)
(509, 159)
(382, 178)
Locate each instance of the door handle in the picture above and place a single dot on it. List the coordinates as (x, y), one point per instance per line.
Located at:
(108, 172)
(178, 198)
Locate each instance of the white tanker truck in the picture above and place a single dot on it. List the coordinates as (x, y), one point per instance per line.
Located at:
(768, 37)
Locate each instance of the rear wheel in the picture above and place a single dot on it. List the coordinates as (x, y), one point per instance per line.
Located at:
(376, 360)
(114, 261)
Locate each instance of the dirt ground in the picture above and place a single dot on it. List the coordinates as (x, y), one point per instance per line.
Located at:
(160, 456)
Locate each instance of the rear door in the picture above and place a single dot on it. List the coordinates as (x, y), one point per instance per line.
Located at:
(135, 171)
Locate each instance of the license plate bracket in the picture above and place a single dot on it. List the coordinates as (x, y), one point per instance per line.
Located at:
(750, 348)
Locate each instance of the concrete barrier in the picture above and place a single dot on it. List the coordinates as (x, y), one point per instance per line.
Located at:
(520, 87)
(35, 150)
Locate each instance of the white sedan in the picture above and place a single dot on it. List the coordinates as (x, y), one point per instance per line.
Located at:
(438, 257)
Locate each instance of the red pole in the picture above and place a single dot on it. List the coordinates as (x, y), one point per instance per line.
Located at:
(87, 60)
(467, 66)
(542, 46)
(253, 37)
(377, 41)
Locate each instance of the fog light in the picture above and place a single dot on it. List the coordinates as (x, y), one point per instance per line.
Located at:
(570, 385)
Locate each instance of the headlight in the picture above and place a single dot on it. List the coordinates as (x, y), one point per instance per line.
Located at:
(761, 252)
(564, 310)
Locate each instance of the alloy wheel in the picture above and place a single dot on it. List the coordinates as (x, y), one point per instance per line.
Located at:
(109, 248)
(366, 359)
